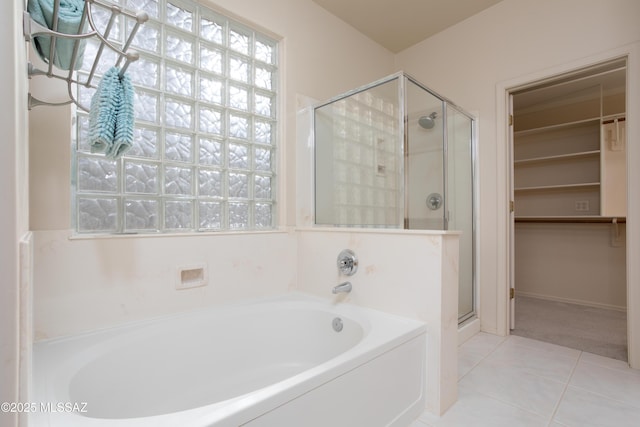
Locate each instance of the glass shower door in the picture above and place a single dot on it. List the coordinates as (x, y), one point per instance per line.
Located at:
(460, 200)
(424, 160)
(439, 178)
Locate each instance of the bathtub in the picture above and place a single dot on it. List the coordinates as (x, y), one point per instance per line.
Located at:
(288, 361)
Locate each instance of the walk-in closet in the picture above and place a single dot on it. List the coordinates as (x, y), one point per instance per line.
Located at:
(569, 202)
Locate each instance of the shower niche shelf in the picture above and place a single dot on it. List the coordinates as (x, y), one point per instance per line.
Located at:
(89, 28)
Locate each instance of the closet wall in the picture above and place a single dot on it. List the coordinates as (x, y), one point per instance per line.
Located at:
(572, 263)
(570, 188)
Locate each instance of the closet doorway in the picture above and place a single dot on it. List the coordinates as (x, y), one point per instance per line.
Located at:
(568, 221)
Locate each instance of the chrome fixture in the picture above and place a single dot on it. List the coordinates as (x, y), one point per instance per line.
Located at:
(347, 262)
(428, 122)
(342, 287)
(337, 324)
(434, 201)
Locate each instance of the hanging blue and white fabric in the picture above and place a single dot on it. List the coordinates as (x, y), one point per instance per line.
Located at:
(111, 115)
(69, 20)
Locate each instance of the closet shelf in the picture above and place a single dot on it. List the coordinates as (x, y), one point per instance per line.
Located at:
(32, 29)
(572, 219)
(567, 125)
(570, 156)
(585, 185)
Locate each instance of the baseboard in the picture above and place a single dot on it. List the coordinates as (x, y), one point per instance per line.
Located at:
(570, 301)
(468, 329)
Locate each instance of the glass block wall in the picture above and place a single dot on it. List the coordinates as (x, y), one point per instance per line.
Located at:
(206, 121)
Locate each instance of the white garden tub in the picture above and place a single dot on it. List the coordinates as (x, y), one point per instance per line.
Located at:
(277, 362)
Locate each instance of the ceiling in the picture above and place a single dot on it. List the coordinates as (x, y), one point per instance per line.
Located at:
(399, 24)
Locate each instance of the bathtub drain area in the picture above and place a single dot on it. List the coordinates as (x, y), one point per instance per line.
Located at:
(337, 324)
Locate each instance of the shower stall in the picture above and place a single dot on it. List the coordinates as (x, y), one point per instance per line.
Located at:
(394, 154)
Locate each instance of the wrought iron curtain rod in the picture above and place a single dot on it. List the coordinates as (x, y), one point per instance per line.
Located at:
(31, 28)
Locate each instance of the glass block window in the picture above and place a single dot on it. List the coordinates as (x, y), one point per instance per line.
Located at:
(206, 116)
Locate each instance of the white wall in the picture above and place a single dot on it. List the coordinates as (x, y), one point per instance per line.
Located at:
(512, 39)
(84, 284)
(13, 191)
(578, 263)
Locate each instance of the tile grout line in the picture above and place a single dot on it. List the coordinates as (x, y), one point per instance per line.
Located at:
(507, 403)
(566, 386)
(546, 377)
(601, 395)
(475, 365)
(604, 396)
(427, 424)
(581, 358)
(611, 368)
(553, 348)
(504, 402)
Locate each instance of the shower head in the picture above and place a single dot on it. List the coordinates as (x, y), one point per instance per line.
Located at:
(428, 122)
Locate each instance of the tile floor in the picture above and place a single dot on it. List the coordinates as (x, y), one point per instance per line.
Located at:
(516, 381)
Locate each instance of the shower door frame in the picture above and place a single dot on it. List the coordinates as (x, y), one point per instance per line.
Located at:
(473, 314)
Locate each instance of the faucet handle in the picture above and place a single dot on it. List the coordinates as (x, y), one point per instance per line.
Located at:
(347, 262)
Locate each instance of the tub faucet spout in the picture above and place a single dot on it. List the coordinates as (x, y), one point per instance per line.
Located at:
(342, 287)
